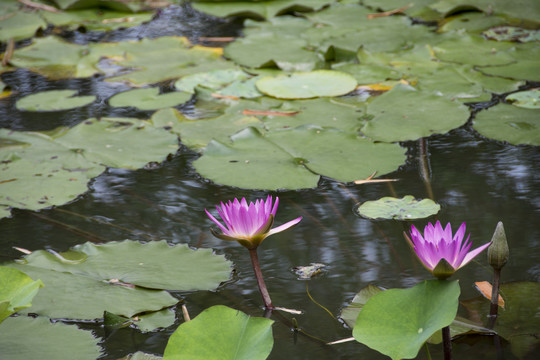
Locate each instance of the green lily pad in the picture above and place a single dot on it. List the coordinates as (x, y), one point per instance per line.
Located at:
(350, 313)
(305, 85)
(109, 4)
(397, 322)
(86, 298)
(148, 99)
(96, 19)
(525, 99)
(519, 9)
(512, 33)
(257, 9)
(471, 22)
(369, 73)
(253, 162)
(156, 320)
(16, 291)
(20, 25)
(154, 265)
(417, 9)
(215, 79)
(53, 100)
(23, 338)
(270, 50)
(518, 323)
(518, 126)
(406, 208)
(295, 158)
(119, 142)
(404, 113)
(220, 333)
(37, 172)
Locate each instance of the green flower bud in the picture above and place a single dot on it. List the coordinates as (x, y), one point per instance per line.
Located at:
(498, 251)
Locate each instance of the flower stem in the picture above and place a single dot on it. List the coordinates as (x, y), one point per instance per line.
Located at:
(447, 343)
(494, 306)
(260, 281)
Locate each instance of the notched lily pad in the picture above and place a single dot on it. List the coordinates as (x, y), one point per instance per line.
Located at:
(406, 208)
(149, 99)
(53, 100)
(305, 85)
(516, 125)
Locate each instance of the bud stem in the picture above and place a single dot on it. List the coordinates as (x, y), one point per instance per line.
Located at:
(260, 281)
(494, 306)
(447, 343)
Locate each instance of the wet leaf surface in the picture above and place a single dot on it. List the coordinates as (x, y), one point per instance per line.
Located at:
(406, 208)
(53, 100)
(149, 99)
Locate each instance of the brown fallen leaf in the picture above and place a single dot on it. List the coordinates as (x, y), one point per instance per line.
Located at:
(269, 112)
(370, 180)
(485, 289)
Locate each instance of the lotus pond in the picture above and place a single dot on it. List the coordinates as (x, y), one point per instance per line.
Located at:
(121, 122)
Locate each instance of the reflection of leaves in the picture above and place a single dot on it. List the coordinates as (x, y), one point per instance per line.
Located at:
(518, 322)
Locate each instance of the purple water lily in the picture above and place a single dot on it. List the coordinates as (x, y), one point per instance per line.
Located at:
(440, 252)
(249, 224)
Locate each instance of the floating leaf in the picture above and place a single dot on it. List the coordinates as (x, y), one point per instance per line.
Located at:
(369, 73)
(96, 19)
(53, 100)
(220, 333)
(525, 99)
(512, 33)
(20, 25)
(215, 79)
(149, 99)
(403, 114)
(36, 172)
(154, 265)
(23, 338)
(471, 22)
(518, 322)
(119, 142)
(156, 320)
(307, 85)
(397, 322)
(509, 123)
(16, 291)
(406, 208)
(486, 289)
(257, 9)
(291, 159)
(350, 313)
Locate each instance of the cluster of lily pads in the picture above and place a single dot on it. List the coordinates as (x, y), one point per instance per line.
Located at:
(313, 88)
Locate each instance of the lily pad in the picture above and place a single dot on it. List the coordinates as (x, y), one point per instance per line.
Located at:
(350, 313)
(397, 322)
(525, 99)
(518, 126)
(406, 208)
(295, 158)
(119, 142)
(257, 9)
(53, 100)
(220, 333)
(270, 50)
(38, 172)
(149, 99)
(96, 19)
(512, 33)
(215, 79)
(369, 73)
(16, 291)
(305, 85)
(153, 265)
(23, 338)
(518, 322)
(404, 113)
(156, 320)
(20, 25)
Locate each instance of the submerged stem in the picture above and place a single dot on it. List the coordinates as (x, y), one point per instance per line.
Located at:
(447, 343)
(494, 306)
(260, 281)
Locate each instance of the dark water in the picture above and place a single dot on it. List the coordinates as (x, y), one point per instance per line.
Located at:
(475, 180)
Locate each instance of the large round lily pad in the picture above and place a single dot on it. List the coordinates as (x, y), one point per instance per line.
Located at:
(149, 99)
(509, 123)
(220, 333)
(406, 208)
(53, 100)
(404, 113)
(119, 142)
(23, 338)
(305, 85)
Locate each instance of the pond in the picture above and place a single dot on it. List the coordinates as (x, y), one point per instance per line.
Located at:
(474, 179)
